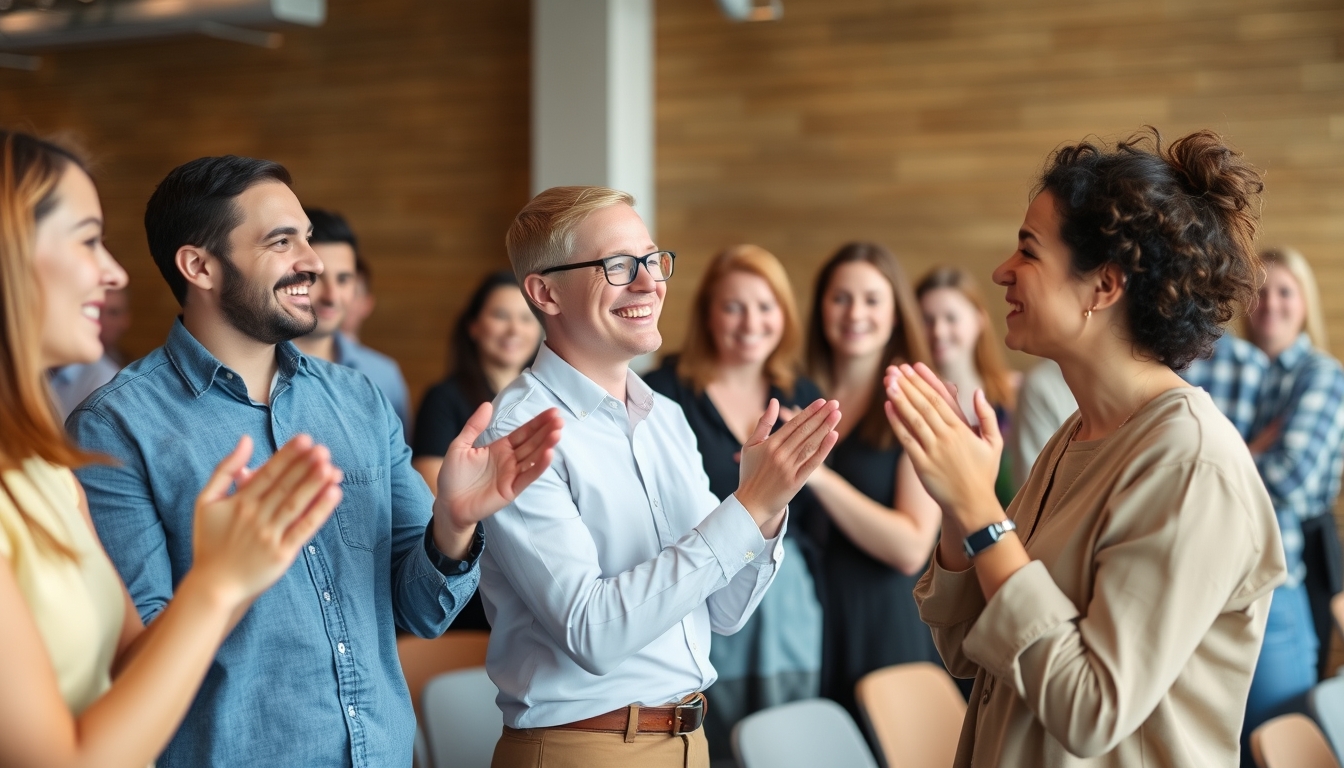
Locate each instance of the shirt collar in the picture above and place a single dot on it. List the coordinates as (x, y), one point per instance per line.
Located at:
(1293, 355)
(580, 394)
(198, 367)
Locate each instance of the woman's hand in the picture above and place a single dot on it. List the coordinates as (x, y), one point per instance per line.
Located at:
(956, 464)
(243, 542)
(475, 483)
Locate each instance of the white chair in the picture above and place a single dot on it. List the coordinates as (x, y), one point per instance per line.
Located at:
(915, 711)
(802, 734)
(422, 659)
(1291, 741)
(462, 721)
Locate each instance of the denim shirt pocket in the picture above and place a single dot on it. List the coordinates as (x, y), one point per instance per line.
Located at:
(360, 510)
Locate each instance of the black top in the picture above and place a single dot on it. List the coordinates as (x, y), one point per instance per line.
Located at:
(871, 620)
(718, 444)
(443, 413)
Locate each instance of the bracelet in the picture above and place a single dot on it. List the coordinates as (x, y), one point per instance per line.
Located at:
(986, 537)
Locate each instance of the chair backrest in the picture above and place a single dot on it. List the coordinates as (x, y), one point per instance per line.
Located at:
(801, 734)
(915, 711)
(1291, 741)
(1325, 704)
(422, 659)
(462, 721)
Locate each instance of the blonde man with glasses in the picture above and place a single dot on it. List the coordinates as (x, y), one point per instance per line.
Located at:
(604, 580)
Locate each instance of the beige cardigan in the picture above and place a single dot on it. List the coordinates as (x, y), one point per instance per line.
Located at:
(1131, 637)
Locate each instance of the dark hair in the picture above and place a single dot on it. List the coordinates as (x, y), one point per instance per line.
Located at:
(194, 205)
(465, 352)
(907, 344)
(1178, 221)
(331, 227)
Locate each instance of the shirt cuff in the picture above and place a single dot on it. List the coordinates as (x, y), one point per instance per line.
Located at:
(1028, 606)
(947, 598)
(451, 566)
(734, 537)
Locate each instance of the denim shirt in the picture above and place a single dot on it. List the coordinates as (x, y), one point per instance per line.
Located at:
(310, 676)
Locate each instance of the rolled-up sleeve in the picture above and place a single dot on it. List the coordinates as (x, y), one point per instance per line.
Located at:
(1093, 676)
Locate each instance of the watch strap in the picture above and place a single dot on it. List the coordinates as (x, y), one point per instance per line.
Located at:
(986, 537)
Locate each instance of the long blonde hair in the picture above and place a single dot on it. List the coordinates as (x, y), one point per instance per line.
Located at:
(699, 356)
(990, 362)
(30, 171)
(1297, 265)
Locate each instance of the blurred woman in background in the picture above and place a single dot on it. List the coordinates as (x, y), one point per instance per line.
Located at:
(742, 348)
(1298, 445)
(967, 354)
(883, 523)
(494, 339)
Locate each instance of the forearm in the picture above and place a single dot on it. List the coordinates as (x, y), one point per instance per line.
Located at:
(889, 535)
(131, 723)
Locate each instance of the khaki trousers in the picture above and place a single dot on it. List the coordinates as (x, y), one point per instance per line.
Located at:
(562, 748)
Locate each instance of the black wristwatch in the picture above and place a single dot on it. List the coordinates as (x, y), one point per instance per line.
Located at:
(986, 537)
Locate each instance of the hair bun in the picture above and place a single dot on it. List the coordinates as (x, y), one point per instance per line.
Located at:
(1206, 167)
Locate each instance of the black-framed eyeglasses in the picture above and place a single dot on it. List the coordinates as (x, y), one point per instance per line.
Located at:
(622, 269)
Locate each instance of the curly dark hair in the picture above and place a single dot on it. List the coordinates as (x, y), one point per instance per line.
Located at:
(1179, 222)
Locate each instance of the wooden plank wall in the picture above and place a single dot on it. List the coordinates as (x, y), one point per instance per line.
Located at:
(410, 117)
(922, 123)
(919, 123)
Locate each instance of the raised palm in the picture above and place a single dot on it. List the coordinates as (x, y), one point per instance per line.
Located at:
(478, 482)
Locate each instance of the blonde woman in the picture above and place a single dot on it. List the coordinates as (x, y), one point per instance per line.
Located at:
(1298, 445)
(743, 349)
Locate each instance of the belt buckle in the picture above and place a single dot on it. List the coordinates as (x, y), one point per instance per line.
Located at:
(687, 718)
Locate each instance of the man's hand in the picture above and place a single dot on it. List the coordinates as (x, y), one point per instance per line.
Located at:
(774, 467)
(475, 483)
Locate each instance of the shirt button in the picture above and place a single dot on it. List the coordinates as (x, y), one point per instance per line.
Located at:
(326, 596)
(228, 376)
(583, 414)
(655, 503)
(312, 550)
(613, 405)
(695, 647)
(747, 557)
(350, 711)
(340, 647)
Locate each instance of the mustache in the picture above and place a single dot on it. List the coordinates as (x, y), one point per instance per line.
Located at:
(298, 278)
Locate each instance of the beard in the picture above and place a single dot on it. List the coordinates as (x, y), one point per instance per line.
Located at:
(252, 309)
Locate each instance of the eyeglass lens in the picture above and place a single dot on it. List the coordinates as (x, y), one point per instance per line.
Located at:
(622, 270)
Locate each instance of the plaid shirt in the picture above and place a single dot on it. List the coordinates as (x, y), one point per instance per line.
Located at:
(1233, 376)
(1304, 393)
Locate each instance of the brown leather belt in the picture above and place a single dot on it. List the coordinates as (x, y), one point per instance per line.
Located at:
(677, 720)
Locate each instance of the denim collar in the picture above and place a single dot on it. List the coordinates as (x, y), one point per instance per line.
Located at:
(580, 394)
(199, 369)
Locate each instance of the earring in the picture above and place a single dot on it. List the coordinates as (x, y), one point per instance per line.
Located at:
(1087, 315)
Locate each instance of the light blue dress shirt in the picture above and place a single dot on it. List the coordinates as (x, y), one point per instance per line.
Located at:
(310, 675)
(604, 578)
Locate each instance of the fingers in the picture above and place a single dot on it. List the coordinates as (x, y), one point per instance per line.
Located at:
(306, 526)
(939, 408)
(301, 486)
(545, 436)
(766, 423)
(276, 466)
(217, 487)
(910, 417)
(475, 425)
(540, 425)
(285, 485)
(805, 442)
(814, 459)
(795, 432)
(898, 428)
(989, 420)
(534, 468)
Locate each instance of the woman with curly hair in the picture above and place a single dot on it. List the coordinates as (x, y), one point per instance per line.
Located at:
(1113, 614)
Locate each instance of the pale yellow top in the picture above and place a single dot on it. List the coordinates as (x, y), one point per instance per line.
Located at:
(78, 605)
(1131, 637)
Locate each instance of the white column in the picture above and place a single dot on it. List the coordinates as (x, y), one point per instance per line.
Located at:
(592, 96)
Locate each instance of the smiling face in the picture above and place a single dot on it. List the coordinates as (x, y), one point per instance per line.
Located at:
(1280, 311)
(266, 277)
(506, 332)
(1046, 301)
(334, 290)
(954, 326)
(744, 319)
(858, 311)
(599, 322)
(74, 273)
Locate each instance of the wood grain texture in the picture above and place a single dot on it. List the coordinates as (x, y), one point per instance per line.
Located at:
(411, 118)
